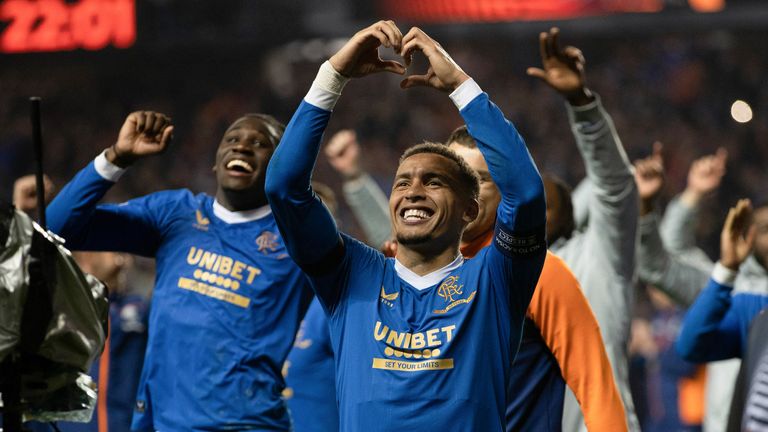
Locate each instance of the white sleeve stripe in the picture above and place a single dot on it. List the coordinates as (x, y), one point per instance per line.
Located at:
(465, 93)
(723, 275)
(107, 169)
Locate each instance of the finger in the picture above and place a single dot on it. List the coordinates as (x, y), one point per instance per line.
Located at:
(749, 238)
(409, 47)
(658, 147)
(139, 121)
(543, 46)
(381, 36)
(398, 34)
(149, 122)
(574, 55)
(554, 42)
(387, 29)
(536, 72)
(415, 81)
(167, 136)
(390, 66)
(728, 225)
(721, 159)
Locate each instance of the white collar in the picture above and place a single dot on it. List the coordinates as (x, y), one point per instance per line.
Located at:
(235, 217)
(428, 280)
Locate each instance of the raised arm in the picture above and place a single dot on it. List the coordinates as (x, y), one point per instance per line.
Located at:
(656, 265)
(678, 228)
(715, 327)
(364, 196)
(308, 229)
(612, 209)
(130, 227)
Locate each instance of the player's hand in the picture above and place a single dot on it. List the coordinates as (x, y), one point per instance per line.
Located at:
(705, 176)
(360, 55)
(143, 134)
(649, 176)
(563, 69)
(738, 236)
(443, 73)
(25, 192)
(343, 153)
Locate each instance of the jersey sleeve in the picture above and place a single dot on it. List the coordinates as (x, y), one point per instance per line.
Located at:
(710, 329)
(307, 227)
(519, 245)
(656, 265)
(613, 202)
(132, 227)
(571, 332)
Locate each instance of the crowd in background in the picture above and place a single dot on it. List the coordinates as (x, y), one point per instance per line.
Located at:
(677, 89)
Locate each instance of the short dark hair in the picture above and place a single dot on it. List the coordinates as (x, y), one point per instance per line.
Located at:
(566, 204)
(467, 175)
(461, 136)
(275, 127)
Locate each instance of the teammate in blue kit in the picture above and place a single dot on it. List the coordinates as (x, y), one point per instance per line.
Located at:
(227, 299)
(425, 340)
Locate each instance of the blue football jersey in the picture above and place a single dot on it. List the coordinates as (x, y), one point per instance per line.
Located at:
(226, 304)
(310, 377)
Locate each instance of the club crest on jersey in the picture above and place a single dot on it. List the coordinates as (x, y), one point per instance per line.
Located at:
(387, 299)
(267, 242)
(202, 221)
(140, 406)
(450, 289)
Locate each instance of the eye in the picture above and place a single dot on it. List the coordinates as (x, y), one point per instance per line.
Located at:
(434, 183)
(232, 139)
(401, 183)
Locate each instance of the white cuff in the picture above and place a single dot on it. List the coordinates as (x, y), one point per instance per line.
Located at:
(465, 93)
(723, 275)
(327, 87)
(107, 169)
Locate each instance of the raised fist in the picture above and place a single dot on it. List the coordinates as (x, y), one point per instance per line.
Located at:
(343, 153)
(25, 192)
(144, 133)
(704, 176)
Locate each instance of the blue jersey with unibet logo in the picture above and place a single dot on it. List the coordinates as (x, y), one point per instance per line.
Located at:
(225, 309)
(436, 358)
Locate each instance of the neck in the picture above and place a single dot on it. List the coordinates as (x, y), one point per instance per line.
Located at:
(423, 263)
(241, 200)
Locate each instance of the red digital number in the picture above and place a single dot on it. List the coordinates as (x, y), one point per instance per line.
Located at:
(54, 25)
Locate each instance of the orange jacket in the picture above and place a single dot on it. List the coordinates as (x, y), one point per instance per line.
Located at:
(570, 331)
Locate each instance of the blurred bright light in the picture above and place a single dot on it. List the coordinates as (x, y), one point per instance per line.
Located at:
(741, 111)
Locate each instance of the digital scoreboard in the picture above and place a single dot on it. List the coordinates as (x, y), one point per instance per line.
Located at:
(59, 25)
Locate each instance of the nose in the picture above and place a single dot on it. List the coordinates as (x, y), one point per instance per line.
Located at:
(244, 147)
(415, 192)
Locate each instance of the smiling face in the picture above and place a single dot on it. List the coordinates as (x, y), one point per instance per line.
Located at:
(489, 197)
(243, 155)
(430, 206)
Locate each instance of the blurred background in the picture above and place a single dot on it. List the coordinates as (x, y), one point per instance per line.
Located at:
(688, 73)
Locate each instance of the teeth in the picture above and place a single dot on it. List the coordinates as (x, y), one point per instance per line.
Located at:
(415, 214)
(239, 163)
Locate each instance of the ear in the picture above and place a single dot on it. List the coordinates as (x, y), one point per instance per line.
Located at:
(471, 212)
